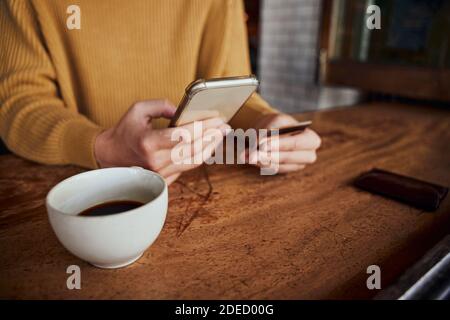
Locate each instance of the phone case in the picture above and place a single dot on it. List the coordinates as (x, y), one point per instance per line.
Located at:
(417, 193)
(220, 97)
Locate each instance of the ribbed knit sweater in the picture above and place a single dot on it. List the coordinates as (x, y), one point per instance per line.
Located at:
(60, 88)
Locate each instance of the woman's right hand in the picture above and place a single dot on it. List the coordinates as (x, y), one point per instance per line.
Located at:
(133, 141)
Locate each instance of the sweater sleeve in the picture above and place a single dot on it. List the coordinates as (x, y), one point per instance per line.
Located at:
(224, 53)
(35, 123)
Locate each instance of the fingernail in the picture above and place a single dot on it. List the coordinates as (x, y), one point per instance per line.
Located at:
(219, 121)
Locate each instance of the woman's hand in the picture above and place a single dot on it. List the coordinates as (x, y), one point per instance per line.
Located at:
(133, 141)
(295, 151)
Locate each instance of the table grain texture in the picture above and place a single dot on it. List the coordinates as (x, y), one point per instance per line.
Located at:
(233, 234)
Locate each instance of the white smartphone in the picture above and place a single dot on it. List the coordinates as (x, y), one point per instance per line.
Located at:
(219, 97)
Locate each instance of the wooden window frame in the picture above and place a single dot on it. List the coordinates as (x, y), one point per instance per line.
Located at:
(410, 81)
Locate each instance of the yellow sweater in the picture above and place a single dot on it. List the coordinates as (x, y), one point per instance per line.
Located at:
(60, 88)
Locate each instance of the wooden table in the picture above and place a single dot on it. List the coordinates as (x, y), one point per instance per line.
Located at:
(303, 235)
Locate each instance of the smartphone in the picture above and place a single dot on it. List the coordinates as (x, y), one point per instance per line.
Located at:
(219, 97)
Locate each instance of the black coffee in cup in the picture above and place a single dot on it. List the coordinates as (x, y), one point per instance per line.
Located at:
(111, 207)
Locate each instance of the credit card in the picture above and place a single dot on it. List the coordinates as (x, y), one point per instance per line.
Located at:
(294, 129)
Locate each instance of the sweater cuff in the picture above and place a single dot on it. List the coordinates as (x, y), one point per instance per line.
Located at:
(78, 143)
(249, 115)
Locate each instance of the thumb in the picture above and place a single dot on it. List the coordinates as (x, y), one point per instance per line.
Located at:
(155, 109)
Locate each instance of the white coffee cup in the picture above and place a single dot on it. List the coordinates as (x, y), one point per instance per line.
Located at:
(109, 241)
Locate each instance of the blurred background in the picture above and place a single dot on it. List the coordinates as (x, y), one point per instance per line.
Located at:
(317, 54)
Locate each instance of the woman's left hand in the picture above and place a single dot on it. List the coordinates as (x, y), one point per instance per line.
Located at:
(295, 151)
